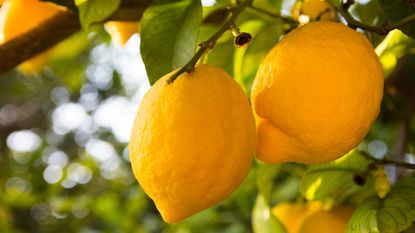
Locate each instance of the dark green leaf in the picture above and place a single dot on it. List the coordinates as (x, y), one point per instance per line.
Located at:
(396, 11)
(371, 14)
(265, 179)
(273, 6)
(93, 11)
(393, 214)
(169, 33)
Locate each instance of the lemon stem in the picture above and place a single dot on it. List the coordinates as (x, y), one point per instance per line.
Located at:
(211, 42)
(389, 161)
(381, 30)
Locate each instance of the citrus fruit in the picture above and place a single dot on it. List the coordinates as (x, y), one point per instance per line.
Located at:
(291, 215)
(20, 16)
(192, 142)
(316, 94)
(121, 31)
(315, 10)
(332, 221)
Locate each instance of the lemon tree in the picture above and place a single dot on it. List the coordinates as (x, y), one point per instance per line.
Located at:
(207, 116)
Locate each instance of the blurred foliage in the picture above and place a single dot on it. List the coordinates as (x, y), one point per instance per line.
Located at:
(64, 163)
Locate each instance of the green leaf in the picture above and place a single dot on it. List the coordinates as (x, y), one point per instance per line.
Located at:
(395, 45)
(371, 14)
(318, 183)
(393, 214)
(247, 60)
(222, 56)
(396, 11)
(286, 189)
(93, 11)
(263, 221)
(169, 32)
(265, 179)
(273, 6)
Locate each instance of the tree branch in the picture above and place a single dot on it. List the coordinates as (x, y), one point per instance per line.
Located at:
(211, 42)
(352, 22)
(55, 30)
(381, 30)
(388, 161)
(397, 163)
(27, 45)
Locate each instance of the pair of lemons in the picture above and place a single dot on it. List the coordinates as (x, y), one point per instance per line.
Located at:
(314, 98)
(20, 16)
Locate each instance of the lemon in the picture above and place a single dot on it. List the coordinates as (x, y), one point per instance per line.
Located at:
(316, 94)
(314, 10)
(20, 16)
(193, 141)
(121, 31)
(291, 215)
(332, 221)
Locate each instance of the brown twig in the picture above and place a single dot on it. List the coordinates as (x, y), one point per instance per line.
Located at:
(39, 39)
(55, 30)
(210, 43)
(381, 30)
(388, 161)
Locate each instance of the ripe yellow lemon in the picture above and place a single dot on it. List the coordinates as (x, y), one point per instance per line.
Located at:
(20, 16)
(315, 10)
(193, 141)
(316, 94)
(333, 221)
(121, 31)
(291, 215)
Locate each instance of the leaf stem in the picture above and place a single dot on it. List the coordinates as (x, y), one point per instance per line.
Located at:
(397, 163)
(211, 42)
(352, 22)
(388, 161)
(381, 30)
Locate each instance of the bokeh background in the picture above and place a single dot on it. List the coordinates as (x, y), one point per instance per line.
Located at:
(64, 133)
